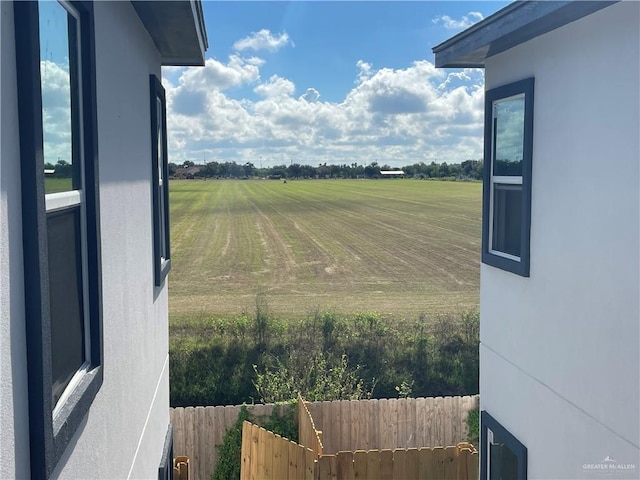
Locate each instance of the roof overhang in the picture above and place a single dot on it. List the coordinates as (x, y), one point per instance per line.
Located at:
(177, 29)
(515, 24)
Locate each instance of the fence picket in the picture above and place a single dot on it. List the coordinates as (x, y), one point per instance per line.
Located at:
(327, 468)
(400, 464)
(437, 463)
(360, 465)
(450, 463)
(386, 464)
(373, 465)
(344, 465)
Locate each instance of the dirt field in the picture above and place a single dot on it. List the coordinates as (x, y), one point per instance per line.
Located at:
(398, 247)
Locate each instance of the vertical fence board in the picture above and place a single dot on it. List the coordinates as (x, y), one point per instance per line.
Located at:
(345, 425)
(425, 472)
(393, 420)
(463, 464)
(245, 451)
(413, 465)
(373, 465)
(411, 423)
(344, 465)
(176, 416)
(310, 468)
(357, 442)
(437, 463)
(189, 427)
(401, 421)
(420, 421)
(268, 454)
(384, 439)
(280, 457)
(360, 465)
(386, 464)
(292, 465)
(474, 466)
(400, 464)
(254, 452)
(211, 452)
(262, 447)
(373, 426)
(450, 463)
(327, 467)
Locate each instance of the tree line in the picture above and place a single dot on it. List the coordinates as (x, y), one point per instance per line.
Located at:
(468, 169)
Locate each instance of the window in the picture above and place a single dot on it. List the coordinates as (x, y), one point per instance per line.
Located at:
(58, 149)
(165, 470)
(160, 175)
(503, 457)
(506, 211)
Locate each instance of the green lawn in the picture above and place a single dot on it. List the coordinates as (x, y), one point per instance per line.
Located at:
(398, 247)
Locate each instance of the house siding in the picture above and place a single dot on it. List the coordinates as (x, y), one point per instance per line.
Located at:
(132, 407)
(14, 417)
(560, 361)
(123, 434)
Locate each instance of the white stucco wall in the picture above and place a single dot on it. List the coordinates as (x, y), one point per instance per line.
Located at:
(14, 420)
(560, 361)
(126, 426)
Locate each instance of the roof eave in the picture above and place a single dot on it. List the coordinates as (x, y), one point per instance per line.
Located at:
(176, 28)
(515, 24)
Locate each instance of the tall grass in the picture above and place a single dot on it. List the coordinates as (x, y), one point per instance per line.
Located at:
(324, 355)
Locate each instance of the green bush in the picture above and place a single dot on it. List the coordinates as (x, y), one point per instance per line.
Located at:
(230, 451)
(324, 355)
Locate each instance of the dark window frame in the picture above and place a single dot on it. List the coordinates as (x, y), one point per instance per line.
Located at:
(49, 436)
(487, 422)
(160, 191)
(165, 470)
(522, 266)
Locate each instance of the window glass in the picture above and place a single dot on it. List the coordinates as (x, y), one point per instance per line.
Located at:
(503, 463)
(508, 124)
(57, 68)
(65, 297)
(507, 208)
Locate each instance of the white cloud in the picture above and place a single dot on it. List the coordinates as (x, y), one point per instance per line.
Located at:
(276, 87)
(394, 116)
(464, 22)
(263, 40)
(310, 95)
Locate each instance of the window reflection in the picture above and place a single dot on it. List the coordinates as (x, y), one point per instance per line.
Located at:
(509, 136)
(57, 68)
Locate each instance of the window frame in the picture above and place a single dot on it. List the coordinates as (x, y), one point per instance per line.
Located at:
(505, 261)
(165, 469)
(487, 422)
(50, 433)
(160, 183)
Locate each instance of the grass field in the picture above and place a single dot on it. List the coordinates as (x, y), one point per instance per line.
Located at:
(398, 247)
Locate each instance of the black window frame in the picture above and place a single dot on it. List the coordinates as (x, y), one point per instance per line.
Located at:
(165, 469)
(487, 422)
(50, 436)
(521, 265)
(160, 187)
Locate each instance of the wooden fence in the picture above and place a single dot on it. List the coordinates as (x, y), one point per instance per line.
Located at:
(354, 425)
(394, 423)
(308, 435)
(266, 456)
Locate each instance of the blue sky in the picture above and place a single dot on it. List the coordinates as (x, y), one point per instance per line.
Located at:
(334, 82)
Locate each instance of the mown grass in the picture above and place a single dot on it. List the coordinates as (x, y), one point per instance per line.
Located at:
(398, 247)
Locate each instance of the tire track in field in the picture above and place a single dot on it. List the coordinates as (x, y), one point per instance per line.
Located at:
(279, 258)
(406, 255)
